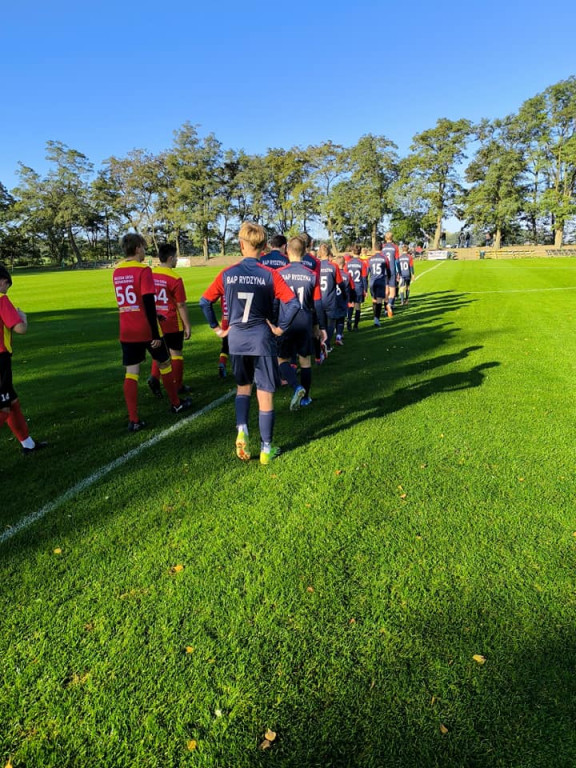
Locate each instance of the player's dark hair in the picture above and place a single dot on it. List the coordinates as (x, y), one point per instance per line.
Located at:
(306, 238)
(4, 274)
(166, 251)
(131, 241)
(278, 241)
(356, 250)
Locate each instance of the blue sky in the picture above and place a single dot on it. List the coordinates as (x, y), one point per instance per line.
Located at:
(107, 77)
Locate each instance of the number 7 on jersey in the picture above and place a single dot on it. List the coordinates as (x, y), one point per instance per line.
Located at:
(248, 298)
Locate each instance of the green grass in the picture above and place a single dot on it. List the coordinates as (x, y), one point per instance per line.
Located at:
(423, 513)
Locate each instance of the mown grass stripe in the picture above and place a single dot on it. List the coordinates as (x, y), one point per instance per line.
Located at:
(29, 520)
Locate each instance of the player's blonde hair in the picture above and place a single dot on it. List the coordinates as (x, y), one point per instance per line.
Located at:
(324, 252)
(339, 259)
(296, 247)
(253, 234)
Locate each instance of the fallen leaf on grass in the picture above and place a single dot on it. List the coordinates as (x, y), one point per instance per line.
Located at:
(176, 568)
(479, 658)
(89, 627)
(520, 479)
(352, 621)
(270, 735)
(57, 551)
(338, 471)
(309, 589)
(403, 495)
(265, 744)
(400, 488)
(190, 649)
(218, 712)
(8, 764)
(192, 744)
(443, 729)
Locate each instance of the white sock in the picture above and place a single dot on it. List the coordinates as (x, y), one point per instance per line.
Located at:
(242, 428)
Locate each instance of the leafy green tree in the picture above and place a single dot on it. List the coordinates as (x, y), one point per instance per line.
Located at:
(496, 195)
(548, 125)
(327, 163)
(435, 156)
(194, 192)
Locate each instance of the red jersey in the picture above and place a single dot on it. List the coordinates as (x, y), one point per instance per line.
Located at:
(9, 317)
(170, 291)
(132, 281)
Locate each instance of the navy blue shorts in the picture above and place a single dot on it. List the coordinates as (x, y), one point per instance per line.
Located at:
(378, 289)
(297, 342)
(357, 297)
(7, 391)
(256, 369)
(134, 352)
(392, 282)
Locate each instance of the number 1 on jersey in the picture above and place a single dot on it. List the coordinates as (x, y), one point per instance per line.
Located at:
(248, 297)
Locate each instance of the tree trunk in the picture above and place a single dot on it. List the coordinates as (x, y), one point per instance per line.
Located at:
(205, 248)
(73, 244)
(497, 238)
(437, 232)
(375, 236)
(332, 241)
(558, 236)
(223, 242)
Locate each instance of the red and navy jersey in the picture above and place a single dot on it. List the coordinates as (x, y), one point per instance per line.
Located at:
(170, 291)
(379, 268)
(250, 290)
(274, 260)
(304, 284)
(405, 265)
(330, 286)
(391, 251)
(346, 291)
(133, 280)
(9, 317)
(312, 263)
(358, 269)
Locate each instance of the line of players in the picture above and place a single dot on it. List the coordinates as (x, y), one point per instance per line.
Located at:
(281, 306)
(326, 292)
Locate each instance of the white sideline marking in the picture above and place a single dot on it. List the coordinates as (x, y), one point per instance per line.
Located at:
(528, 290)
(27, 521)
(427, 272)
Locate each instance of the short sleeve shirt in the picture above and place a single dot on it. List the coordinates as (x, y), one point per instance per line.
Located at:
(170, 291)
(9, 317)
(133, 280)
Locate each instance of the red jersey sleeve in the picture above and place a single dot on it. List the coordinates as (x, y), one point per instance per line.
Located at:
(215, 290)
(317, 291)
(9, 315)
(338, 274)
(281, 289)
(179, 291)
(147, 282)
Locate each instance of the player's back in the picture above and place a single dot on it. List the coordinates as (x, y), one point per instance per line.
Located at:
(378, 267)
(303, 282)
(274, 260)
(390, 251)
(249, 295)
(310, 261)
(357, 269)
(132, 279)
(405, 265)
(329, 279)
(169, 292)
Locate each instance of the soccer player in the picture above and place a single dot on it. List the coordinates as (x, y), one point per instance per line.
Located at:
(250, 290)
(405, 274)
(173, 315)
(379, 271)
(12, 320)
(276, 258)
(358, 270)
(342, 298)
(331, 286)
(140, 328)
(298, 339)
(391, 252)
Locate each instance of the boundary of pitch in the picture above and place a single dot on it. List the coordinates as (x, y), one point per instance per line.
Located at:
(29, 520)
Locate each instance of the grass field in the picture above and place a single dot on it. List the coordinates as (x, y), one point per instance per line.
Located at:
(423, 514)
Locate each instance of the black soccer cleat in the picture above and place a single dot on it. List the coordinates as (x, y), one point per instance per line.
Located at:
(184, 405)
(38, 447)
(184, 390)
(155, 387)
(136, 426)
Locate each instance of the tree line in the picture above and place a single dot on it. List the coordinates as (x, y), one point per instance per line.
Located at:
(512, 177)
